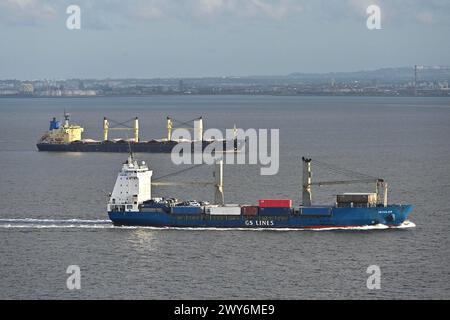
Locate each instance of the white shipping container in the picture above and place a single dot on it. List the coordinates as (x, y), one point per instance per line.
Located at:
(208, 208)
(225, 211)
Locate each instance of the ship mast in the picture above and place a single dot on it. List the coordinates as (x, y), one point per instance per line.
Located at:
(218, 174)
(169, 129)
(307, 180)
(66, 119)
(105, 129)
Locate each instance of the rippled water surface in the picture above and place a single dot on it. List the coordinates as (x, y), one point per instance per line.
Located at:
(52, 205)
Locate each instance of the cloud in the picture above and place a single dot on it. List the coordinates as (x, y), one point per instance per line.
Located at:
(360, 6)
(425, 18)
(119, 13)
(275, 11)
(407, 11)
(211, 10)
(210, 7)
(150, 12)
(26, 11)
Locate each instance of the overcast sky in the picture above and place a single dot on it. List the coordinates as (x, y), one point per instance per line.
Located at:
(197, 38)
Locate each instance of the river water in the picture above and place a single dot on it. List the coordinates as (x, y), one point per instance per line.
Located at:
(53, 205)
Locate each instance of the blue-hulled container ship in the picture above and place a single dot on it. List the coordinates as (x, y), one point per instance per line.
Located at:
(131, 204)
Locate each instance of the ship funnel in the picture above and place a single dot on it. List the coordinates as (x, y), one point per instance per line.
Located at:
(54, 124)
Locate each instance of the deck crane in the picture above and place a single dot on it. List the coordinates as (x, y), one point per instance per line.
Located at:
(380, 184)
(198, 127)
(109, 124)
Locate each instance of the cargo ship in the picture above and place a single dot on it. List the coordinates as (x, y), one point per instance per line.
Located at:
(131, 204)
(67, 137)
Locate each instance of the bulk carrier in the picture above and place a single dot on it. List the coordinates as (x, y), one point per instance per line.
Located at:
(68, 138)
(131, 204)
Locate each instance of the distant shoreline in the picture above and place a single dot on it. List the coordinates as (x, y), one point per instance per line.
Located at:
(390, 82)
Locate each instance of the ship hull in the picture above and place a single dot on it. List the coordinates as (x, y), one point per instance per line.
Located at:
(327, 217)
(124, 147)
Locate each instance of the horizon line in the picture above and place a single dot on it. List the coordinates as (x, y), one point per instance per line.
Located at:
(422, 67)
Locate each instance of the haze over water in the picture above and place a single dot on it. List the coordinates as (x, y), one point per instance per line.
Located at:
(404, 140)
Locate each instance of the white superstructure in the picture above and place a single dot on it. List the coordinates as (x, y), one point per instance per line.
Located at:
(133, 186)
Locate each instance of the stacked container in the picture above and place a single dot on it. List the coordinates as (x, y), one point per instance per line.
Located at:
(275, 203)
(275, 207)
(249, 210)
(275, 211)
(364, 200)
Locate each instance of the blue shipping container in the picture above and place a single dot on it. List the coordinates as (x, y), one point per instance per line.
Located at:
(275, 211)
(319, 211)
(186, 210)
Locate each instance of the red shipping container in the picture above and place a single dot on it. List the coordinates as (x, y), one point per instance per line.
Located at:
(250, 210)
(275, 203)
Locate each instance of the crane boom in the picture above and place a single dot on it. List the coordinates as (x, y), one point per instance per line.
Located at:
(328, 183)
(218, 181)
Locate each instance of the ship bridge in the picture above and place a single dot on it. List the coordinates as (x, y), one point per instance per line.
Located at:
(133, 186)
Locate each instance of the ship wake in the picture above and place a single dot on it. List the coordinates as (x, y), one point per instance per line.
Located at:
(55, 223)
